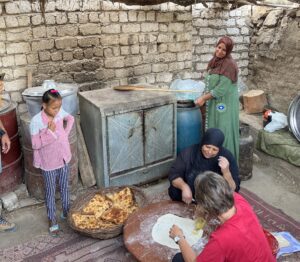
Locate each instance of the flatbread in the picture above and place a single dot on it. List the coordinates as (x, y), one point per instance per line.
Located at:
(115, 215)
(123, 198)
(160, 230)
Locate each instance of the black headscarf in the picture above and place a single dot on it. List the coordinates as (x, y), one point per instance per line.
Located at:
(213, 136)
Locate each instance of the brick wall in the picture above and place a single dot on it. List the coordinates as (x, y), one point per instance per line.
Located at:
(98, 44)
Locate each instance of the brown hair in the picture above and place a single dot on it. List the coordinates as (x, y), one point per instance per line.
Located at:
(213, 194)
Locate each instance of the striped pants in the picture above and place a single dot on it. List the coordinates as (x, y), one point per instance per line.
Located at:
(50, 177)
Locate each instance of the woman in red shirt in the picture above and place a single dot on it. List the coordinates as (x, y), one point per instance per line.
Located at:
(239, 237)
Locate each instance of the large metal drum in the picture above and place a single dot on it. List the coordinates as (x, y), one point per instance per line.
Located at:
(33, 176)
(12, 170)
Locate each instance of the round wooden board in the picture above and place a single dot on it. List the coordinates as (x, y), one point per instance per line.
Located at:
(138, 230)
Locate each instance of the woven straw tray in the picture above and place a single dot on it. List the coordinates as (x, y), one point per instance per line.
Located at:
(106, 233)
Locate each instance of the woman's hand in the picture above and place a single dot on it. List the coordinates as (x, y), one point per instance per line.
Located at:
(223, 164)
(175, 231)
(186, 194)
(51, 126)
(5, 143)
(200, 101)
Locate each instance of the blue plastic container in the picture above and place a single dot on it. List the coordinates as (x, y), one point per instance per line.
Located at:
(189, 124)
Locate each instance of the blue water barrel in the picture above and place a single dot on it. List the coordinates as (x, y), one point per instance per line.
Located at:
(189, 124)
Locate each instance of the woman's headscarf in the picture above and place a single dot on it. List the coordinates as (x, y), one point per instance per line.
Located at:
(213, 136)
(224, 66)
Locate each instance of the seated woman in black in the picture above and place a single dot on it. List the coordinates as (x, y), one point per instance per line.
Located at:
(207, 156)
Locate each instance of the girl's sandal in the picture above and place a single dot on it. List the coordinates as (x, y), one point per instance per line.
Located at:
(54, 230)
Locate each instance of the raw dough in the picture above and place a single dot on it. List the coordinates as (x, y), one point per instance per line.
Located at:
(160, 230)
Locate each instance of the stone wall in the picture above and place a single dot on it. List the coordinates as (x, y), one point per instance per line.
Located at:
(275, 55)
(98, 44)
(211, 24)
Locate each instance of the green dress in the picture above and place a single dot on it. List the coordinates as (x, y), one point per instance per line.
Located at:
(222, 111)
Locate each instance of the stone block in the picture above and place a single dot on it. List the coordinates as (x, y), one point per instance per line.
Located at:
(51, 31)
(32, 59)
(245, 31)
(206, 32)
(43, 45)
(84, 77)
(272, 18)
(185, 16)
(21, 191)
(44, 56)
(94, 17)
(114, 17)
(167, 57)
(2, 23)
(183, 56)
(182, 37)
(150, 16)
(73, 18)
(109, 40)
(176, 27)
(108, 52)
(104, 18)
(124, 72)
(20, 59)
(66, 43)
(23, 20)
(111, 29)
(19, 34)
(131, 28)
(39, 32)
(220, 32)
(135, 49)
(88, 41)
(8, 61)
(78, 54)
(11, 21)
(132, 60)
(142, 69)
(36, 19)
(200, 22)
(124, 39)
(132, 16)
(22, 108)
(16, 85)
(73, 66)
(88, 53)
(67, 30)
(124, 50)
(107, 6)
(19, 72)
(98, 51)
(67, 56)
(149, 27)
(205, 58)
(48, 68)
(92, 65)
(159, 68)
(181, 46)
(49, 19)
(105, 74)
(10, 201)
(123, 17)
(2, 48)
(165, 38)
(90, 29)
(164, 77)
(162, 48)
(233, 31)
(114, 62)
(141, 17)
(12, 8)
(165, 17)
(163, 28)
(83, 18)
(57, 56)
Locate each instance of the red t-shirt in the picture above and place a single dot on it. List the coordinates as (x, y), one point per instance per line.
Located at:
(240, 238)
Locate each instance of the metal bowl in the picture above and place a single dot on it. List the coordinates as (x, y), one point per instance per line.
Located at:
(294, 117)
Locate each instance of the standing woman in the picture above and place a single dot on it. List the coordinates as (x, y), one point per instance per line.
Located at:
(221, 95)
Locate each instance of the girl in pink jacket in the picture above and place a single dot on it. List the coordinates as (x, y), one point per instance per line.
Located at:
(51, 152)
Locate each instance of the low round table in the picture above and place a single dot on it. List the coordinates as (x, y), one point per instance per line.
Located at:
(137, 231)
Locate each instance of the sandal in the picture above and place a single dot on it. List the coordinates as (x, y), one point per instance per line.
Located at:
(54, 230)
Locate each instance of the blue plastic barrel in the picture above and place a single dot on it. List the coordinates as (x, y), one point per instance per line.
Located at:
(189, 124)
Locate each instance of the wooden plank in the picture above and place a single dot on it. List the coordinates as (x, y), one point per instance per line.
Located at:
(85, 168)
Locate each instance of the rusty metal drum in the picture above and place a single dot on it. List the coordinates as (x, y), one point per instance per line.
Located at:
(33, 176)
(12, 169)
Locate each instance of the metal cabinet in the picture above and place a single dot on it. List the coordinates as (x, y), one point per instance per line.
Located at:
(130, 136)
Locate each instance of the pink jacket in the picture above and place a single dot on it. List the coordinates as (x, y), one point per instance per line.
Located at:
(51, 150)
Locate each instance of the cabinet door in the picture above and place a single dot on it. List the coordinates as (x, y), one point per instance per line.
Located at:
(159, 133)
(125, 141)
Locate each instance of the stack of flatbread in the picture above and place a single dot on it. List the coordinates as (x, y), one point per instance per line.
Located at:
(106, 211)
